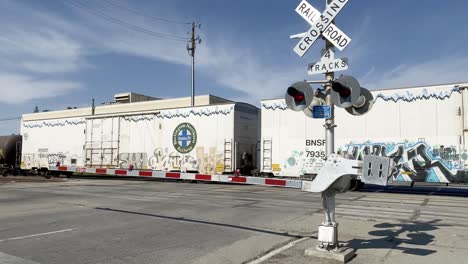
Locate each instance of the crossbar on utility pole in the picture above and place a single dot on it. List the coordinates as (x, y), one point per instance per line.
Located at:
(319, 81)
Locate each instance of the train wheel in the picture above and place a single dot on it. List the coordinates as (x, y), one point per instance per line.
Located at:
(45, 173)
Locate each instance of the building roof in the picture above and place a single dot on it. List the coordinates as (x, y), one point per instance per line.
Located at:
(124, 108)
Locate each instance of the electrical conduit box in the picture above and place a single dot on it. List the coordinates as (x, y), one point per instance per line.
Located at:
(376, 170)
(326, 234)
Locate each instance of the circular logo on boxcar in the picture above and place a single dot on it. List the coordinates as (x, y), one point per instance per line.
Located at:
(184, 138)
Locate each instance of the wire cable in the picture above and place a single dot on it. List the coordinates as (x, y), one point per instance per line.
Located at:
(9, 118)
(110, 2)
(125, 24)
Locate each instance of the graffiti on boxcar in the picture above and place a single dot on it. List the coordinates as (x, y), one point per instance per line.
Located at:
(208, 162)
(308, 161)
(42, 158)
(29, 161)
(416, 161)
(166, 159)
(446, 153)
(139, 160)
(56, 158)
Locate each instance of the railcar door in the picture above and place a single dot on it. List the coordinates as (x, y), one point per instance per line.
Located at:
(102, 142)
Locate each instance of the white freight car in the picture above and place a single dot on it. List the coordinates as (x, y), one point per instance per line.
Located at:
(424, 129)
(217, 136)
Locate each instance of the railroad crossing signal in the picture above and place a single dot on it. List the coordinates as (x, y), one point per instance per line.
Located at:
(347, 93)
(344, 92)
(321, 26)
(299, 96)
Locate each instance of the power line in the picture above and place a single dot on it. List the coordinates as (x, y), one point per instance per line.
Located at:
(125, 24)
(9, 119)
(145, 15)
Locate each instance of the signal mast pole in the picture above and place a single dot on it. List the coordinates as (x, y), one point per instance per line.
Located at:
(328, 196)
(330, 122)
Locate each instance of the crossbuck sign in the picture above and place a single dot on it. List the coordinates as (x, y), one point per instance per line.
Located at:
(321, 25)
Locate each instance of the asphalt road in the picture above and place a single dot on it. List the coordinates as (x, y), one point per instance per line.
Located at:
(115, 221)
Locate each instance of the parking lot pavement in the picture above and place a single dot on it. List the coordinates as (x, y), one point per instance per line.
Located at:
(114, 221)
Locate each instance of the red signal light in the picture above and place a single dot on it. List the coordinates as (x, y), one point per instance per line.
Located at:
(343, 91)
(297, 95)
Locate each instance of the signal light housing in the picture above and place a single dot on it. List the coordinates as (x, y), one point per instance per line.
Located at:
(296, 94)
(363, 105)
(299, 96)
(345, 91)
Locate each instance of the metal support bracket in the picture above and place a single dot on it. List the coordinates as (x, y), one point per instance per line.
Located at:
(329, 126)
(332, 172)
(335, 177)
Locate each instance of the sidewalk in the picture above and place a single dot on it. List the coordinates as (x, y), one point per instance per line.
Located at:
(381, 242)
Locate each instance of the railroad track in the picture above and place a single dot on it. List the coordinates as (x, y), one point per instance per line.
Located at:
(16, 179)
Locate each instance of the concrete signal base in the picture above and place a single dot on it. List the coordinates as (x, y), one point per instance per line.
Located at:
(342, 254)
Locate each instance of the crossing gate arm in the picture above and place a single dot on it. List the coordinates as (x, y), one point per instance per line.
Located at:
(286, 183)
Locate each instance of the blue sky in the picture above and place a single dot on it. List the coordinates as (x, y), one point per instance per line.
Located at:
(54, 54)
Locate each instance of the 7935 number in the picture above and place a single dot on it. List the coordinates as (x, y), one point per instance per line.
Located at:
(316, 154)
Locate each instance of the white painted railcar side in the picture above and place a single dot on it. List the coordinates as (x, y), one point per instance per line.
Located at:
(291, 143)
(424, 129)
(49, 141)
(205, 139)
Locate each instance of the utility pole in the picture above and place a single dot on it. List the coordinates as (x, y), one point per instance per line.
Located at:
(191, 50)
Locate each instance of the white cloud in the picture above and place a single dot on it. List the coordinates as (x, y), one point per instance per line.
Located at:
(440, 70)
(240, 69)
(17, 88)
(45, 44)
(59, 45)
(34, 52)
(222, 59)
(38, 50)
(147, 47)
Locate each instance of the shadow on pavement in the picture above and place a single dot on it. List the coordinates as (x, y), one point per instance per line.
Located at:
(183, 219)
(460, 191)
(390, 237)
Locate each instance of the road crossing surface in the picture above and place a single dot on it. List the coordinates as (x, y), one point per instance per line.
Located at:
(115, 221)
